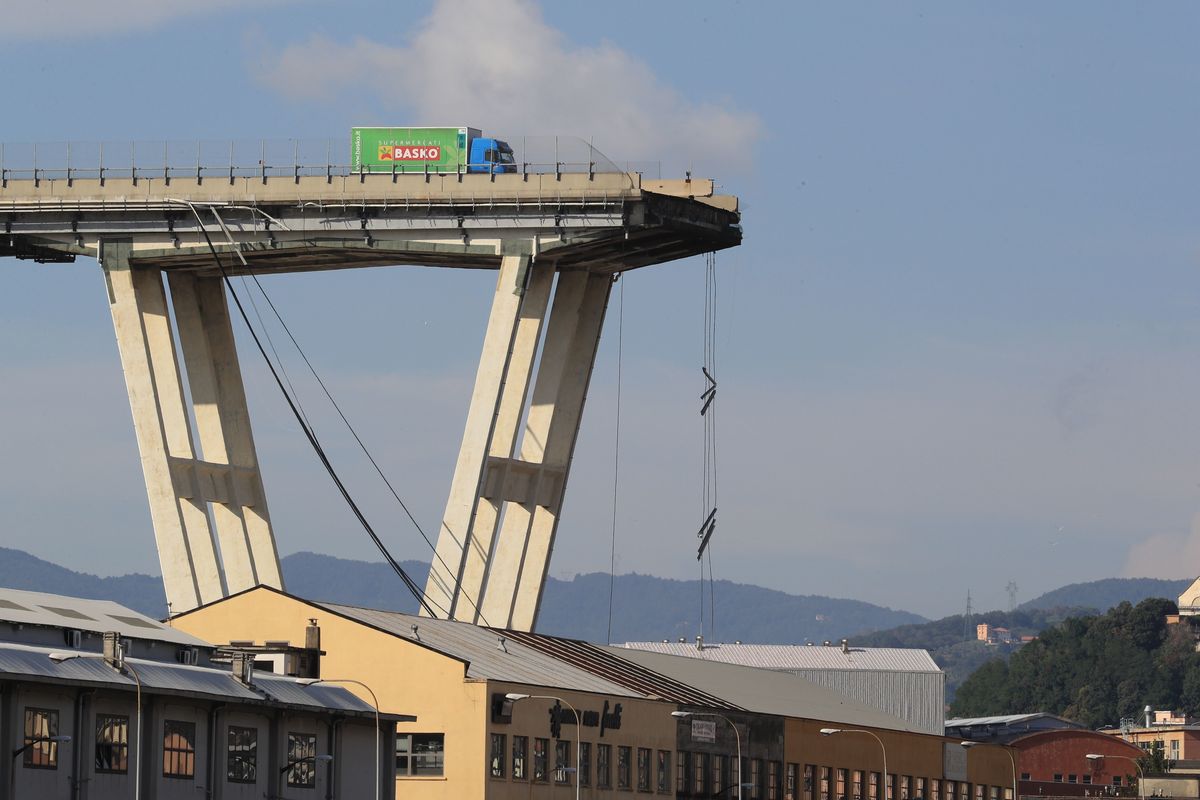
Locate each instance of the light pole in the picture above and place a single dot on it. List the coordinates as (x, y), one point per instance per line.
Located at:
(58, 658)
(1094, 757)
(1011, 758)
(38, 740)
(516, 696)
(737, 738)
(374, 701)
(886, 782)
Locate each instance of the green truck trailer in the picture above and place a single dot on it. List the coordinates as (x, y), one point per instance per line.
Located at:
(428, 150)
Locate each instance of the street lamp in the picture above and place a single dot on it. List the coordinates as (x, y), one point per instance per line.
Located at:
(59, 658)
(969, 745)
(886, 782)
(1094, 757)
(323, 758)
(737, 738)
(517, 696)
(374, 702)
(38, 740)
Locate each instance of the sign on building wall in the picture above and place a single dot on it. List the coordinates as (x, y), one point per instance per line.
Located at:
(954, 761)
(704, 730)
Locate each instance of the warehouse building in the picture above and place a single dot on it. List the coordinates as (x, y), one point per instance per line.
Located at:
(506, 714)
(906, 683)
(98, 701)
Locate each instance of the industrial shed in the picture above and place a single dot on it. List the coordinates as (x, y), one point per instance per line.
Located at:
(905, 683)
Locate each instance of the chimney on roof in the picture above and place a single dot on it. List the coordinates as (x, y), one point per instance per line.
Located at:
(113, 654)
(827, 643)
(242, 663)
(700, 642)
(845, 645)
(682, 640)
(312, 635)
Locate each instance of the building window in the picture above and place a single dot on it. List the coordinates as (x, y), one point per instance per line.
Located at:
(584, 774)
(701, 762)
(773, 769)
(643, 769)
(756, 776)
(179, 749)
(1116, 780)
(112, 744)
(302, 760)
(951, 789)
(906, 787)
(664, 771)
(1087, 778)
(539, 759)
(562, 760)
(1058, 777)
(499, 742)
(994, 793)
(919, 789)
(41, 724)
(809, 780)
(624, 768)
(720, 769)
(964, 790)
(842, 776)
(420, 754)
(1072, 778)
(520, 753)
(935, 789)
(604, 766)
(242, 755)
(826, 772)
(1024, 776)
(872, 786)
(793, 774)
(682, 770)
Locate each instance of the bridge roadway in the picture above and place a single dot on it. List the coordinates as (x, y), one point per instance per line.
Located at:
(603, 222)
(557, 242)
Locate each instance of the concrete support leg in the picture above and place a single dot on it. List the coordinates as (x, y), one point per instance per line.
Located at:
(468, 527)
(230, 465)
(186, 550)
(526, 539)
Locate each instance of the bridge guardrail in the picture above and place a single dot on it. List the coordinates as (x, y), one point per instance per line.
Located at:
(260, 158)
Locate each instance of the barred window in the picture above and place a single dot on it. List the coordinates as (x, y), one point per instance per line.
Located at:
(664, 771)
(624, 769)
(112, 743)
(498, 753)
(643, 769)
(584, 774)
(41, 726)
(539, 759)
(604, 766)
(520, 754)
(302, 760)
(562, 761)
(179, 749)
(242, 755)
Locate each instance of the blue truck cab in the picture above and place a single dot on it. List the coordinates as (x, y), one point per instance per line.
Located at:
(490, 155)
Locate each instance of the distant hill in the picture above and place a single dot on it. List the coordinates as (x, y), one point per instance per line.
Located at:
(1104, 594)
(644, 607)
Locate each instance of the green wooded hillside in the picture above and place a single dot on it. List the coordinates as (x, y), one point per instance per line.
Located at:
(1094, 669)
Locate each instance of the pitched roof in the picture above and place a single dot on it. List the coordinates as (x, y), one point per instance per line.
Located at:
(765, 691)
(98, 616)
(800, 657)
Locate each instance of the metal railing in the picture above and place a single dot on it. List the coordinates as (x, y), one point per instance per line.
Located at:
(263, 159)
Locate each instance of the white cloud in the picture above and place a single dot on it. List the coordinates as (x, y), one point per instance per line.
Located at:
(80, 18)
(508, 70)
(1165, 555)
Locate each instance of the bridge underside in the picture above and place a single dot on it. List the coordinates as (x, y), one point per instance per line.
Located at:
(556, 243)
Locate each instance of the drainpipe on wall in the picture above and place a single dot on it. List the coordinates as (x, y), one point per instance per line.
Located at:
(331, 735)
(77, 743)
(214, 714)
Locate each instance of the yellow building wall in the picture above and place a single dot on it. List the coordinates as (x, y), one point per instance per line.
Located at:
(406, 677)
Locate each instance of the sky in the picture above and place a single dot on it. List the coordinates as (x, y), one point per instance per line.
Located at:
(957, 348)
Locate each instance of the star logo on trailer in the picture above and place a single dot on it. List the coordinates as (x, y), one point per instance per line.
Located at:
(400, 152)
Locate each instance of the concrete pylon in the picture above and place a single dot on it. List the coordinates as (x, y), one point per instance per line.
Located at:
(188, 493)
(498, 530)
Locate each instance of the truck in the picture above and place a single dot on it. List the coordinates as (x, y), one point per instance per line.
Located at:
(455, 150)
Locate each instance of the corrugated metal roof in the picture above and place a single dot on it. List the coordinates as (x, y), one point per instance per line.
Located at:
(765, 691)
(621, 670)
(24, 661)
(480, 648)
(1009, 719)
(98, 616)
(794, 657)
